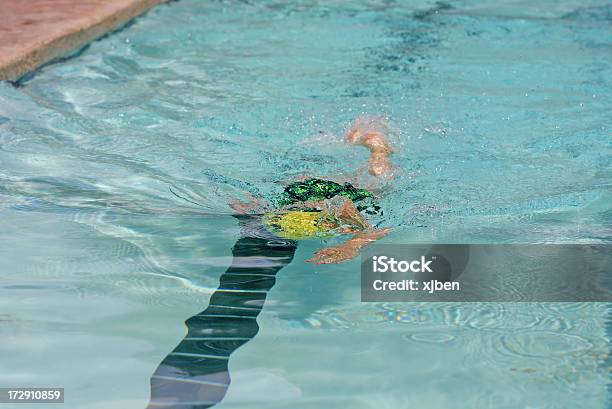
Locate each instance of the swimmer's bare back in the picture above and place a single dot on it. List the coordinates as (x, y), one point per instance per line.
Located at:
(369, 132)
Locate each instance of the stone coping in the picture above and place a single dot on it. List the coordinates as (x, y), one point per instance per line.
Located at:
(34, 32)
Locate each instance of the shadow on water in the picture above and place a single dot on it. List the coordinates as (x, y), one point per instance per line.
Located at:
(195, 374)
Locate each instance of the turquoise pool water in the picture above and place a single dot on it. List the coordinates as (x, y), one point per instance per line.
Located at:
(116, 168)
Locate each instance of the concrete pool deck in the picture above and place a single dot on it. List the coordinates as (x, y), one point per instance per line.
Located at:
(34, 32)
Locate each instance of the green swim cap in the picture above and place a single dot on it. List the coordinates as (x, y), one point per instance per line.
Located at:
(319, 189)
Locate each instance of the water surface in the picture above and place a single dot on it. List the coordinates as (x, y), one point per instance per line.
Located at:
(116, 168)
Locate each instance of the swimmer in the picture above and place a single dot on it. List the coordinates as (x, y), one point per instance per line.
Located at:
(319, 207)
(195, 374)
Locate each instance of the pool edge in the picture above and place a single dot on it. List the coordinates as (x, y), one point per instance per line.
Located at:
(71, 37)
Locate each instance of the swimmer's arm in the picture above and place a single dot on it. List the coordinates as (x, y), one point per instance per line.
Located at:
(254, 205)
(350, 249)
(349, 214)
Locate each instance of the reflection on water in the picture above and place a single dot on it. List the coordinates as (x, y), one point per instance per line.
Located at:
(195, 374)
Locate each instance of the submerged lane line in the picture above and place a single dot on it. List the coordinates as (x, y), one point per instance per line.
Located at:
(185, 364)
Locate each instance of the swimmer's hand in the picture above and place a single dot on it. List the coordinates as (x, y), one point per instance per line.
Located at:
(348, 250)
(333, 255)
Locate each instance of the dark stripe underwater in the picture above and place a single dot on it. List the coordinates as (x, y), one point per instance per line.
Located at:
(195, 374)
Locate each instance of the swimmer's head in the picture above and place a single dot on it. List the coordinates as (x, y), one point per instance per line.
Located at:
(319, 189)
